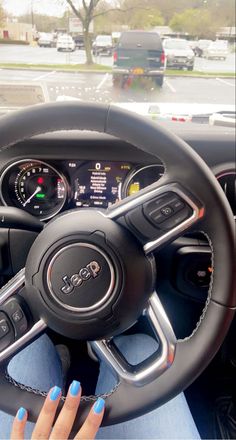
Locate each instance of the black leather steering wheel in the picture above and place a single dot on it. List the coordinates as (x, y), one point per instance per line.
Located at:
(92, 273)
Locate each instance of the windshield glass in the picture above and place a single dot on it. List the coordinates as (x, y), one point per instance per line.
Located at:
(176, 44)
(158, 58)
(103, 39)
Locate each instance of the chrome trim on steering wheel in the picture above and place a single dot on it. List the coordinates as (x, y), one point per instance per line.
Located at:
(12, 286)
(150, 369)
(9, 289)
(37, 328)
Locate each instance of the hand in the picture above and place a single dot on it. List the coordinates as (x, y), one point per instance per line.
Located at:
(44, 428)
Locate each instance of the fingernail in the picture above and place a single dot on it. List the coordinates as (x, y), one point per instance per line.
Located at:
(21, 413)
(74, 388)
(99, 405)
(55, 393)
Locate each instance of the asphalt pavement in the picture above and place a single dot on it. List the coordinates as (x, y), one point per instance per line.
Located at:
(42, 55)
(98, 87)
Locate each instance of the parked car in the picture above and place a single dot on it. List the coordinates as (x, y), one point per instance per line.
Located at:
(102, 44)
(79, 41)
(139, 53)
(200, 46)
(192, 44)
(65, 43)
(179, 54)
(216, 50)
(46, 40)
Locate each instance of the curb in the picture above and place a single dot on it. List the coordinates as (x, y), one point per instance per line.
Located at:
(102, 72)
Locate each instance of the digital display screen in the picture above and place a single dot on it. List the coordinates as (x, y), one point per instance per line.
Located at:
(98, 183)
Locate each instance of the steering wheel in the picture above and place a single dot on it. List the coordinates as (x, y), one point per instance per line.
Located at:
(90, 274)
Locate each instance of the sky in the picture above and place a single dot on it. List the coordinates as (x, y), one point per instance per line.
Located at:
(49, 7)
(18, 7)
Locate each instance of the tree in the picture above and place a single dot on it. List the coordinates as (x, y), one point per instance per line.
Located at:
(196, 22)
(2, 15)
(134, 18)
(86, 14)
(227, 12)
(45, 23)
(146, 19)
(92, 9)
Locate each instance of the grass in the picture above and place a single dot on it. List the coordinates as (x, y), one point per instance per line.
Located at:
(107, 69)
(198, 73)
(60, 67)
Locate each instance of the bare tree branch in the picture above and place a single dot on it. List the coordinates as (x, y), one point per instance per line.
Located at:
(76, 11)
(120, 10)
(91, 7)
(85, 5)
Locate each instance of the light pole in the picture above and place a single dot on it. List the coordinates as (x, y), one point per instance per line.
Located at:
(32, 13)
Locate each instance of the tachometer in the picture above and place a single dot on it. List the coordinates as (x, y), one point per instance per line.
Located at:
(141, 178)
(35, 187)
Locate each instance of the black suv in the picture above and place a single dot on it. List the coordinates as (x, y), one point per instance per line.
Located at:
(139, 53)
(79, 41)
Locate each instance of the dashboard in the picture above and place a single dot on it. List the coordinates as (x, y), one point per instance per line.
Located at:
(44, 189)
(51, 173)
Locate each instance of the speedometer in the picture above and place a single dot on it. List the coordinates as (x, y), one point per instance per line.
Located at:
(141, 178)
(35, 187)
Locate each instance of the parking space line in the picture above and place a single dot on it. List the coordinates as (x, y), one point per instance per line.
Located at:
(103, 81)
(38, 78)
(225, 82)
(170, 86)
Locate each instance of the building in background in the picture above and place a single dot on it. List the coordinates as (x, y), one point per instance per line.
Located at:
(13, 30)
(228, 33)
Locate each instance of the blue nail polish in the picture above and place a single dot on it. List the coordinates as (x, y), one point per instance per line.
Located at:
(74, 388)
(21, 413)
(55, 393)
(98, 406)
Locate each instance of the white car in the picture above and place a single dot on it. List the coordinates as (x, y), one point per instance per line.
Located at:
(179, 54)
(216, 50)
(46, 40)
(102, 44)
(65, 43)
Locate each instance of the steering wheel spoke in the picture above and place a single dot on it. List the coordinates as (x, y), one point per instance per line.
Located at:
(158, 215)
(152, 367)
(16, 327)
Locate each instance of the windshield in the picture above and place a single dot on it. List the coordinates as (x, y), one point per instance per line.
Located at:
(176, 44)
(204, 43)
(103, 39)
(154, 57)
(221, 44)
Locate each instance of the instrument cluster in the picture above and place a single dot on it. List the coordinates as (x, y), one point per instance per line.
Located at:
(46, 188)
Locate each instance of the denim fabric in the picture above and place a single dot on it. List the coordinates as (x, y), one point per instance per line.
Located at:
(171, 421)
(38, 366)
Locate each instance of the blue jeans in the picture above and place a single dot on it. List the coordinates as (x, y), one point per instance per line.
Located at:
(38, 366)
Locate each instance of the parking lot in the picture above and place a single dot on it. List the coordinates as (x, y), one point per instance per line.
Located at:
(41, 55)
(98, 87)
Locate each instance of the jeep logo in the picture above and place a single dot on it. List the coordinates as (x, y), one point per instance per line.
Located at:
(90, 271)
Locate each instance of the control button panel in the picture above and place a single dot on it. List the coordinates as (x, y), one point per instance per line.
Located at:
(4, 328)
(166, 211)
(6, 331)
(150, 220)
(13, 322)
(17, 316)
